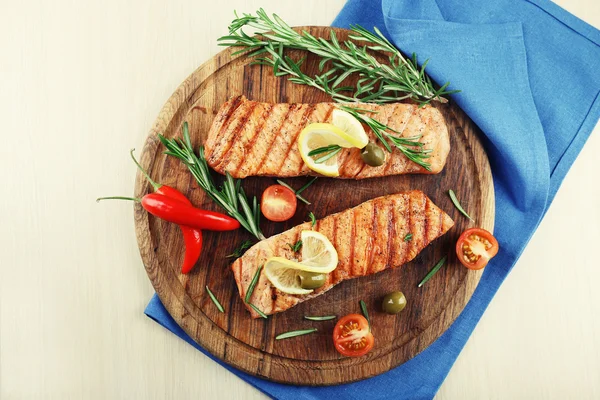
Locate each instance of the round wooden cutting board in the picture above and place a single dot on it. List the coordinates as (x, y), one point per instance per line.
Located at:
(249, 344)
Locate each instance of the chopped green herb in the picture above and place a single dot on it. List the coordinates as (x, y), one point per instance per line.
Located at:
(313, 219)
(296, 246)
(433, 271)
(253, 284)
(324, 318)
(240, 250)
(363, 308)
(457, 204)
(295, 333)
(262, 314)
(214, 299)
(408, 237)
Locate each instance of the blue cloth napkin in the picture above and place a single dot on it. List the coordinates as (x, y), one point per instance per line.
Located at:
(530, 78)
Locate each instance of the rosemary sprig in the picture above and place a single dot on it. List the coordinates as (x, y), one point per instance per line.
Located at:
(323, 318)
(433, 271)
(214, 299)
(400, 78)
(327, 156)
(296, 246)
(231, 196)
(408, 237)
(295, 333)
(324, 149)
(239, 251)
(363, 308)
(253, 284)
(313, 219)
(457, 204)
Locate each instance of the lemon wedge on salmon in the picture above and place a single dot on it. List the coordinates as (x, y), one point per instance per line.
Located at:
(318, 256)
(319, 143)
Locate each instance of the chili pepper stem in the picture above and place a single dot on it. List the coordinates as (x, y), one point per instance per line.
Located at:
(136, 199)
(155, 185)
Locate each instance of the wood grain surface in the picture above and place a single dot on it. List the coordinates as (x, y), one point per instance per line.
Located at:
(249, 344)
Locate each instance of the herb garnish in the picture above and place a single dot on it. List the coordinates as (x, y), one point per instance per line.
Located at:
(401, 78)
(297, 192)
(231, 196)
(214, 299)
(331, 151)
(457, 204)
(313, 219)
(252, 284)
(296, 246)
(433, 271)
(262, 314)
(238, 252)
(408, 237)
(363, 308)
(295, 333)
(323, 318)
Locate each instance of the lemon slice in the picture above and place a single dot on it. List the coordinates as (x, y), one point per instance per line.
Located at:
(283, 274)
(355, 133)
(318, 255)
(319, 135)
(318, 252)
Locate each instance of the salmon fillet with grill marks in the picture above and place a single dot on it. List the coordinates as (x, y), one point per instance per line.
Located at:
(368, 238)
(248, 138)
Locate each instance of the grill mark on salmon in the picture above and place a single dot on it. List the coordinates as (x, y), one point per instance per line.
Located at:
(350, 232)
(273, 151)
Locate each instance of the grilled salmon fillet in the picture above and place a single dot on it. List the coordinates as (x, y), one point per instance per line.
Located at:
(249, 138)
(368, 239)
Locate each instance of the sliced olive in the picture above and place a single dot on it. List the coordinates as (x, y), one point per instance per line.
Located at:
(394, 302)
(311, 280)
(373, 155)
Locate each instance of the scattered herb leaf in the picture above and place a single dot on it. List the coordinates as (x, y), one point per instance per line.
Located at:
(214, 299)
(262, 314)
(408, 237)
(240, 250)
(253, 284)
(296, 246)
(313, 219)
(457, 204)
(324, 149)
(297, 193)
(295, 333)
(324, 318)
(363, 308)
(303, 188)
(327, 156)
(433, 271)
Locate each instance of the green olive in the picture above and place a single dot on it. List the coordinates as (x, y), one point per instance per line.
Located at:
(373, 155)
(311, 280)
(394, 302)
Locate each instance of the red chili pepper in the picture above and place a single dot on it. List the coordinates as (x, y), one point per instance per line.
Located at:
(179, 213)
(192, 237)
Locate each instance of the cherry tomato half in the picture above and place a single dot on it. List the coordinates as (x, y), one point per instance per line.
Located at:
(475, 247)
(278, 203)
(351, 336)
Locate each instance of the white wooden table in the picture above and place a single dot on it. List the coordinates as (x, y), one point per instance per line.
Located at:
(80, 84)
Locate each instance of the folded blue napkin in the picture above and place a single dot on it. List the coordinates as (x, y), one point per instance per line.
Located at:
(530, 78)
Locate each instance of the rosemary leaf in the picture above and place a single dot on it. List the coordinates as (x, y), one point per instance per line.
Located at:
(253, 284)
(295, 333)
(303, 188)
(363, 308)
(457, 204)
(296, 246)
(296, 192)
(433, 271)
(313, 219)
(323, 318)
(262, 314)
(214, 299)
(328, 156)
(324, 149)
(239, 251)
(408, 237)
